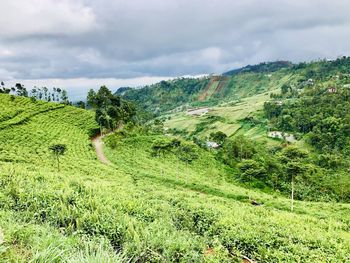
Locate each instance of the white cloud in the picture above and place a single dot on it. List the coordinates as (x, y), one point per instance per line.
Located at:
(44, 17)
(5, 52)
(127, 39)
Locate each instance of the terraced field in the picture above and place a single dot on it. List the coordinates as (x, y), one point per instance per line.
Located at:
(230, 116)
(141, 208)
(23, 139)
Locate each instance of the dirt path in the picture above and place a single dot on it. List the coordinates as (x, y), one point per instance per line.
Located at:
(200, 111)
(98, 144)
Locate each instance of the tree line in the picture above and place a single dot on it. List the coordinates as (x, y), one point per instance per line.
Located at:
(36, 93)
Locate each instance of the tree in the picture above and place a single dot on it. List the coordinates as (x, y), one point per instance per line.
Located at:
(252, 170)
(218, 137)
(103, 97)
(238, 148)
(285, 88)
(21, 90)
(292, 157)
(46, 97)
(111, 110)
(272, 110)
(33, 92)
(115, 114)
(187, 153)
(3, 89)
(64, 96)
(81, 104)
(58, 150)
(91, 99)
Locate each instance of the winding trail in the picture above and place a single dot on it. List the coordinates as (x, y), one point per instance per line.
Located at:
(98, 144)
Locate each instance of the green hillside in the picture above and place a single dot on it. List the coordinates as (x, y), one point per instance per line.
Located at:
(225, 117)
(210, 90)
(264, 67)
(206, 91)
(155, 203)
(310, 110)
(233, 85)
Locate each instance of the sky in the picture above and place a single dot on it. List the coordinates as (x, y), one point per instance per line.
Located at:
(83, 44)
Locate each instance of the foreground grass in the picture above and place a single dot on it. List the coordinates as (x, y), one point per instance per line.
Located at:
(143, 208)
(266, 233)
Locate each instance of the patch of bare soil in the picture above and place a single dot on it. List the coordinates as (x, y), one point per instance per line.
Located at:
(98, 144)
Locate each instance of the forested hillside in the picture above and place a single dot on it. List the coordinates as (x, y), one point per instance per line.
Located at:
(306, 115)
(321, 115)
(142, 207)
(166, 95)
(235, 84)
(265, 67)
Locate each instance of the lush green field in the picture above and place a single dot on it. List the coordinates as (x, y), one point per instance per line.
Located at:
(142, 208)
(229, 118)
(248, 92)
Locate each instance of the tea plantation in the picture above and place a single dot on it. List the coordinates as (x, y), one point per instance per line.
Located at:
(146, 206)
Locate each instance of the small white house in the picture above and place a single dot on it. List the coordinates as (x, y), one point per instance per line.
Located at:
(279, 103)
(212, 145)
(281, 135)
(332, 90)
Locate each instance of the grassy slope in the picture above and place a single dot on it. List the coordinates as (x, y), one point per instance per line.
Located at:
(230, 115)
(265, 233)
(250, 83)
(34, 197)
(247, 92)
(146, 208)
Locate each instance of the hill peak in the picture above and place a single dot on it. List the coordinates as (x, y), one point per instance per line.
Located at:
(261, 67)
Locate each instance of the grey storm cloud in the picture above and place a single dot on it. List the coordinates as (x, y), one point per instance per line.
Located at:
(43, 39)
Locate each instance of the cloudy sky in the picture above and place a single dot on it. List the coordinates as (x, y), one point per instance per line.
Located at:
(87, 43)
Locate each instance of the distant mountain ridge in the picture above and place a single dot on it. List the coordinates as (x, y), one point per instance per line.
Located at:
(233, 85)
(263, 67)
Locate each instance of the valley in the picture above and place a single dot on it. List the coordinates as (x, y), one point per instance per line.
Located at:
(155, 193)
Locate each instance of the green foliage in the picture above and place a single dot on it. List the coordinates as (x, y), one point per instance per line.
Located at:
(110, 110)
(252, 170)
(58, 149)
(209, 120)
(265, 67)
(218, 137)
(274, 168)
(238, 148)
(166, 95)
(322, 116)
(291, 153)
(183, 206)
(36, 93)
(186, 152)
(229, 229)
(208, 91)
(285, 88)
(161, 147)
(237, 84)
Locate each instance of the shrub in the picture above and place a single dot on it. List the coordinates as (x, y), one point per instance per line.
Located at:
(252, 170)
